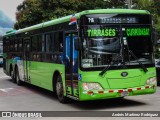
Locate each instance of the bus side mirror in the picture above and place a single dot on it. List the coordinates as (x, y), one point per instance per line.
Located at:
(77, 44)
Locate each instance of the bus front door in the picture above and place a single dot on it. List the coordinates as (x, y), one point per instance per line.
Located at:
(71, 66)
(26, 59)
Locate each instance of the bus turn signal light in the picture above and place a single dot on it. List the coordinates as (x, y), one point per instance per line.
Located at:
(90, 92)
(138, 88)
(130, 90)
(100, 92)
(120, 91)
(111, 91)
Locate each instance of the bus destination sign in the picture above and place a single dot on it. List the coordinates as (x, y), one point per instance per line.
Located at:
(117, 20)
(137, 32)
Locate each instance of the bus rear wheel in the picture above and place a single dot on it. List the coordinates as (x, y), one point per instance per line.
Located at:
(17, 79)
(59, 90)
(13, 76)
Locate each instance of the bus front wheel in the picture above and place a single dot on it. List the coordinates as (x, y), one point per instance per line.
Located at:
(59, 90)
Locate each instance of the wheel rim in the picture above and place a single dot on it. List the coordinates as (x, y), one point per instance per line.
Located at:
(12, 74)
(59, 89)
(17, 78)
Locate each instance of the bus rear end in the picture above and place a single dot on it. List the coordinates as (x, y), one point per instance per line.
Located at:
(116, 58)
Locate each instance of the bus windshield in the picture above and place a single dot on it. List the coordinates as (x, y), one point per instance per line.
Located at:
(101, 43)
(138, 40)
(106, 36)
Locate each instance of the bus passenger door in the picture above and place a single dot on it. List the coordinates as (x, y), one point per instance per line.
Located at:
(26, 59)
(71, 65)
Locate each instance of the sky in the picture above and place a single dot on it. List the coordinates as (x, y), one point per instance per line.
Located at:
(9, 7)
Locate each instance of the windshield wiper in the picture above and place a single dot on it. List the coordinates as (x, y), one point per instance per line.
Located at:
(140, 63)
(111, 63)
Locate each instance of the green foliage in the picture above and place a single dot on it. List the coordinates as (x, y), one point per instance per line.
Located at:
(154, 7)
(32, 12)
(144, 4)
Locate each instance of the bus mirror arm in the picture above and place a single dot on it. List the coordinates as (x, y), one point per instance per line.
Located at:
(78, 44)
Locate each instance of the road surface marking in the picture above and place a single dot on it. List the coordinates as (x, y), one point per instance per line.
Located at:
(4, 77)
(15, 91)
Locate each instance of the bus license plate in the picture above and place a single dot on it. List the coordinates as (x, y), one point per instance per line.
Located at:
(124, 93)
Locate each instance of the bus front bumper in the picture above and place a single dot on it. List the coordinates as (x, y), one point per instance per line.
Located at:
(115, 93)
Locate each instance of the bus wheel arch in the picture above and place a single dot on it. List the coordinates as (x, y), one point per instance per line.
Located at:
(10, 69)
(58, 87)
(17, 78)
(12, 74)
(54, 80)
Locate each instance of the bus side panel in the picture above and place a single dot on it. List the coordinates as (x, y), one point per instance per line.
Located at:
(41, 74)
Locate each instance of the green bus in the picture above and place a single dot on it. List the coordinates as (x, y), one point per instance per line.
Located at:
(91, 55)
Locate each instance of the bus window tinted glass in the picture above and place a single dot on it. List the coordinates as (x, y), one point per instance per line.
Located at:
(39, 40)
(34, 43)
(49, 42)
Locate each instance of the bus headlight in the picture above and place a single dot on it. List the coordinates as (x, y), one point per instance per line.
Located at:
(152, 81)
(91, 86)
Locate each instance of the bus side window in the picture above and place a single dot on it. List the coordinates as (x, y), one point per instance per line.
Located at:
(58, 41)
(4, 43)
(40, 48)
(11, 44)
(39, 41)
(43, 43)
(20, 45)
(49, 39)
(15, 45)
(8, 44)
(61, 41)
(33, 48)
(34, 44)
(49, 42)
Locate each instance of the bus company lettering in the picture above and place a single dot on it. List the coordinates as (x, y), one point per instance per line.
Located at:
(137, 31)
(101, 32)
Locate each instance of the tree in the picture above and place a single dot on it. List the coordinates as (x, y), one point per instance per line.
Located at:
(144, 4)
(154, 7)
(32, 12)
(157, 15)
(28, 13)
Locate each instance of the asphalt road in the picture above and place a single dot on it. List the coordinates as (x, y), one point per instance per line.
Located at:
(31, 98)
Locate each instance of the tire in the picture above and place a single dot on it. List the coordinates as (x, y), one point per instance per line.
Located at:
(60, 91)
(17, 79)
(13, 76)
(158, 82)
